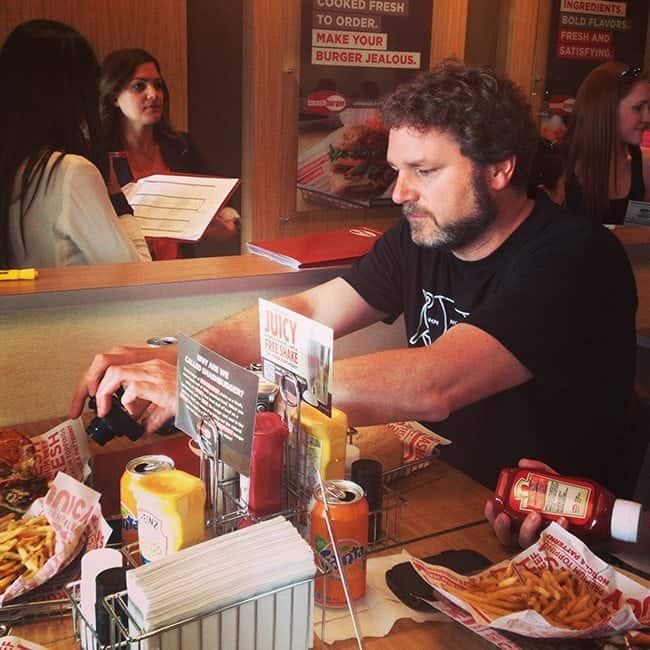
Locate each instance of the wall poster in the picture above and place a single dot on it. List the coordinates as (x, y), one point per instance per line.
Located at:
(583, 34)
(353, 52)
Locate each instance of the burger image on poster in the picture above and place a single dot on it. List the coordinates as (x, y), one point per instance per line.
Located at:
(357, 155)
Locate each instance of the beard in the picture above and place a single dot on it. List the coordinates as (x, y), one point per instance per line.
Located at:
(465, 230)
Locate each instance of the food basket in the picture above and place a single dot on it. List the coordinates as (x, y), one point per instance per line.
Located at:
(265, 621)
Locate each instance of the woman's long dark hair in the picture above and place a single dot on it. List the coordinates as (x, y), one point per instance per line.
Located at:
(592, 137)
(48, 73)
(117, 71)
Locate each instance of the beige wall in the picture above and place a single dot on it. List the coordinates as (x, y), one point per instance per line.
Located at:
(49, 340)
(158, 26)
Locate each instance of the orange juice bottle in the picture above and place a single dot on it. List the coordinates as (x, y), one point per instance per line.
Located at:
(171, 512)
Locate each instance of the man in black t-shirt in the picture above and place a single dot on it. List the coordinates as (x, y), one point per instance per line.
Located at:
(519, 317)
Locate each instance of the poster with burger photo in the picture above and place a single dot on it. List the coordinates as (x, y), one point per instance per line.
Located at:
(352, 55)
(348, 167)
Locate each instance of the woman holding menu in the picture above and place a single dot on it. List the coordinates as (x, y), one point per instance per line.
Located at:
(134, 101)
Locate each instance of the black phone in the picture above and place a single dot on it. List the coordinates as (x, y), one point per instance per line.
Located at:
(406, 584)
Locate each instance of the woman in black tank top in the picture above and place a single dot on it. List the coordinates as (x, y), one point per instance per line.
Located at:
(605, 164)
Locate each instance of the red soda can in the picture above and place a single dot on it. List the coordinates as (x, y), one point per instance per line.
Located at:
(348, 513)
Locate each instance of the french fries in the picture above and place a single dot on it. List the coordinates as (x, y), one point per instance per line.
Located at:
(562, 598)
(25, 546)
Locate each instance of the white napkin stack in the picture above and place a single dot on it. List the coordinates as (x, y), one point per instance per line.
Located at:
(223, 571)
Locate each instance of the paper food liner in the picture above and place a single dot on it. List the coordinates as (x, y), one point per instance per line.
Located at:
(16, 643)
(64, 448)
(419, 444)
(555, 549)
(73, 511)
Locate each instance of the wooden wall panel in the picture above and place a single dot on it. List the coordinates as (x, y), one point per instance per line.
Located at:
(158, 26)
(448, 30)
(518, 35)
(270, 130)
(647, 45)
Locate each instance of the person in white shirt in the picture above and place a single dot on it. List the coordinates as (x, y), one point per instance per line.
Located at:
(55, 208)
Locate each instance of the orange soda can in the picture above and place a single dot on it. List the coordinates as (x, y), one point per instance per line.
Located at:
(348, 512)
(136, 468)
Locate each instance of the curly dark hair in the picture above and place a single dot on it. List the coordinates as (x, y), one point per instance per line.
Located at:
(487, 115)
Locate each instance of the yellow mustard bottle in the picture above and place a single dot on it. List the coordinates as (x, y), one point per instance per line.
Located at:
(171, 512)
(325, 440)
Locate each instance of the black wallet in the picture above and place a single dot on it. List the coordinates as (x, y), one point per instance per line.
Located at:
(407, 585)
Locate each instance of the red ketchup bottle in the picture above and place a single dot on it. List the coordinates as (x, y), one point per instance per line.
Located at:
(593, 513)
(267, 454)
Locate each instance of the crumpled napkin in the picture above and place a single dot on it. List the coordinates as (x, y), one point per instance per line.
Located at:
(376, 612)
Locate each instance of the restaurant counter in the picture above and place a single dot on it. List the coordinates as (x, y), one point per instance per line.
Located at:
(52, 327)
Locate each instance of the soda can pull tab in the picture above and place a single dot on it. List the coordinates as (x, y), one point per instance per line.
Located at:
(334, 492)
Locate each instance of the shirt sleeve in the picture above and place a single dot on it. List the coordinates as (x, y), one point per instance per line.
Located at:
(377, 277)
(89, 220)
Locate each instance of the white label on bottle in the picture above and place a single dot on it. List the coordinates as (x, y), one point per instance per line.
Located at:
(151, 536)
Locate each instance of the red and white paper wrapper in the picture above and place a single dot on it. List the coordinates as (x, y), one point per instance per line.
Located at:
(73, 510)
(419, 444)
(64, 448)
(16, 643)
(555, 549)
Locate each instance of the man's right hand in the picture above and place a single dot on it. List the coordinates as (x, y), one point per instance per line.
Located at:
(118, 356)
(530, 527)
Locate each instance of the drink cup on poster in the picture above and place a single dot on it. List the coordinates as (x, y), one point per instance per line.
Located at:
(317, 371)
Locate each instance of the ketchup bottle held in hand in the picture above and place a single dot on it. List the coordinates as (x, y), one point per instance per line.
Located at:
(593, 512)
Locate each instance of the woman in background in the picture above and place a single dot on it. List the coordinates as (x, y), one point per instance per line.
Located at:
(134, 106)
(605, 166)
(55, 209)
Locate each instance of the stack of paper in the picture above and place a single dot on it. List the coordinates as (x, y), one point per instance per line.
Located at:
(179, 206)
(223, 571)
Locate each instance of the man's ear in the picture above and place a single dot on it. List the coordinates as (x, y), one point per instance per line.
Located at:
(500, 174)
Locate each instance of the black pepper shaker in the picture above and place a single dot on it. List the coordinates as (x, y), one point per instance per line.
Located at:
(109, 581)
(368, 474)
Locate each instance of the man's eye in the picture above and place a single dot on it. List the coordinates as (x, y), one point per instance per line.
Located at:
(423, 172)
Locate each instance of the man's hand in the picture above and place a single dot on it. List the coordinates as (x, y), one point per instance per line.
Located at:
(149, 391)
(118, 356)
(529, 529)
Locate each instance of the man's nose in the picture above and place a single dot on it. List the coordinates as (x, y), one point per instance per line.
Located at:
(403, 192)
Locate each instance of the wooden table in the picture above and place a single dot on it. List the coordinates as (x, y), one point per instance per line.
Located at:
(444, 510)
(438, 498)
